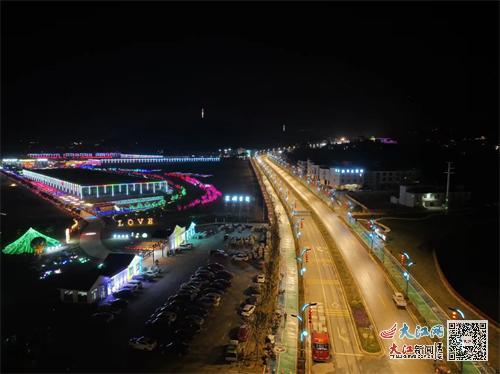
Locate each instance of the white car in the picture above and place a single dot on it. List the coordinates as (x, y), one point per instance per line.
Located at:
(261, 278)
(248, 310)
(142, 343)
(240, 257)
(399, 299)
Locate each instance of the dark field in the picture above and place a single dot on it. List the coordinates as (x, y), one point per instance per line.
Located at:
(466, 246)
(23, 209)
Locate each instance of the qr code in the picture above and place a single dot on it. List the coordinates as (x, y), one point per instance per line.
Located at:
(467, 340)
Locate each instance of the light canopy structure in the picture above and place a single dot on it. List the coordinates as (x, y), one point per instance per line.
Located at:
(23, 243)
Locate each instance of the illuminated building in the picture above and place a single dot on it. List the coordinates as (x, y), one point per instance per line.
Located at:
(346, 177)
(86, 184)
(109, 276)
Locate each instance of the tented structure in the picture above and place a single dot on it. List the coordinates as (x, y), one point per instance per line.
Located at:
(24, 243)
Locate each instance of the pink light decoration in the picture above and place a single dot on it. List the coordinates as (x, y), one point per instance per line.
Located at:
(211, 193)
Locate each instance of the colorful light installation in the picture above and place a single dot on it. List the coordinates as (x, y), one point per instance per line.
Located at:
(23, 243)
(211, 193)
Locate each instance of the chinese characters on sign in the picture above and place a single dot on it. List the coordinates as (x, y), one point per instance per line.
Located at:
(418, 351)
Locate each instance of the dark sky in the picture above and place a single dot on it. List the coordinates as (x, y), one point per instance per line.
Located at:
(140, 73)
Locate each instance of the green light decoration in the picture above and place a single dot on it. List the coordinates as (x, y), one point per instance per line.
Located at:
(24, 243)
(183, 191)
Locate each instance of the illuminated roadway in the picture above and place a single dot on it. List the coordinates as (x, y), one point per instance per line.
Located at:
(371, 280)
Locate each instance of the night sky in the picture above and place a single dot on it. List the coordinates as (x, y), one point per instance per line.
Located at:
(137, 75)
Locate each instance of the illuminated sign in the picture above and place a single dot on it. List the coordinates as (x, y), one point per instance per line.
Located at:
(136, 222)
(236, 198)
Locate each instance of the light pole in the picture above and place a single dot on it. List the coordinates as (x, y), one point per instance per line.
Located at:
(406, 274)
(303, 333)
(454, 315)
(300, 259)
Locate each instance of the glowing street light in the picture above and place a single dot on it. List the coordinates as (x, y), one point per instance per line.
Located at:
(406, 276)
(456, 312)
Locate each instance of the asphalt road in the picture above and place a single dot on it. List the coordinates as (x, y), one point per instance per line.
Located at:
(372, 282)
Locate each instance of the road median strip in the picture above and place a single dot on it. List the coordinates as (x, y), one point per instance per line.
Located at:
(366, 332)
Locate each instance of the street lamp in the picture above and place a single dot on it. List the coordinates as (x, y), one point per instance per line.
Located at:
(304, 251)
(456, 312)
(406, 276)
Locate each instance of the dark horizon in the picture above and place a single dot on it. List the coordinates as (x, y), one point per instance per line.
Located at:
(137, 75)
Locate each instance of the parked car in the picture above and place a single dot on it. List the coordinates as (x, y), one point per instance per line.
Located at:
(224, 274)
(215, 266)
(196, 309)
(213, 295)
(131, 287)
(206, 303)
(240, 257)
(200, 283)
(248, 310)
(399, 299)
(187, 332)
(177, 348)
(243, 333)
(253, 290)
(231, 354)
(212, 290)
(188, 293)
(125, 294)
(183, 297)
(166, 315)
(119, 303)
(108, 308)
(254, 299)
(196, 319)
(261, 278)
(205, 272)
(186, 246)
(138, 283)
(220, 286)
(214, 301)
(218, 252)
(143, 343)
(225, 282)
(103, 317)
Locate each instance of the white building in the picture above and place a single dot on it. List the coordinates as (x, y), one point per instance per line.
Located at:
(324, 175)
(348, 178)
(428, 196)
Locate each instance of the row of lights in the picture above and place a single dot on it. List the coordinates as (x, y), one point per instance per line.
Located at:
(235, 198)
(343, 171)
(130, 236)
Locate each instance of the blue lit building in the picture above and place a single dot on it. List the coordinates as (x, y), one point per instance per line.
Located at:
(97, 284)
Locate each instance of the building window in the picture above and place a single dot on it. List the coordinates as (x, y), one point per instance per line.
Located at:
(68, 296)
(82, 297)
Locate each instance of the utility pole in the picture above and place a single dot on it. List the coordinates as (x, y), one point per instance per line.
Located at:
(448, 173)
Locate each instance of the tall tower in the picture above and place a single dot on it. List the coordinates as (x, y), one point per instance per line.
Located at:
(284, 128)
(202, 113)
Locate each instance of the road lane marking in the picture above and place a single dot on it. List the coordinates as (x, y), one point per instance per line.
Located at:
(315, 281)
(382, 301)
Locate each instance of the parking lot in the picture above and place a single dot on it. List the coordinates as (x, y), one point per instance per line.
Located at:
(111, 352)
